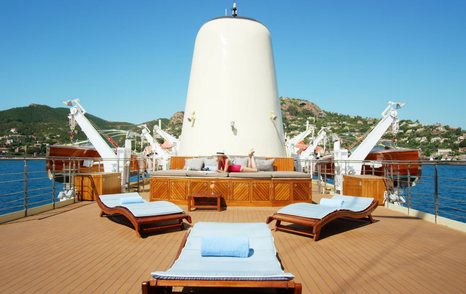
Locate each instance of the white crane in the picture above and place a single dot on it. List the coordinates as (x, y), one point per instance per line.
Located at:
(389, 118)
(353, 164)
(167, 137)
(290, 144)
(160, 155)
(308, 153)
(113, 162)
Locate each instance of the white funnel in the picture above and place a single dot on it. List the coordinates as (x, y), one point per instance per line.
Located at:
(232, 103)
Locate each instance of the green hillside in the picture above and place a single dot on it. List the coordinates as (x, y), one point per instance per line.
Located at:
(29, 129)
(37, 125)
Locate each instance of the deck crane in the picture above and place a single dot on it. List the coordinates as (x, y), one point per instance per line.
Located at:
(160, 155)
(167, 137)
(307, 156)
(290, 145)
(308, 153)
(113, 162)
(352, 164)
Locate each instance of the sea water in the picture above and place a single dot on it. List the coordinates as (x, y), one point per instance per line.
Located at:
(20, 177)
(448, 181)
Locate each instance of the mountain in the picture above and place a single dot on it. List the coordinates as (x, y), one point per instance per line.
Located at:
(46, 123)
(38, 125)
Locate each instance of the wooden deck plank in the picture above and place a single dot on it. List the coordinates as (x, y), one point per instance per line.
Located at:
(77, 251)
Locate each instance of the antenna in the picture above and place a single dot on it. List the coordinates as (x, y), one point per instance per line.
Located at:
(234, 12)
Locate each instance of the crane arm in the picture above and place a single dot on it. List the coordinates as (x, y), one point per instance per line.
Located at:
(300, 137)
(310, 150)
(389, 117)
(172, 139)
(155, 146)
(77, 113)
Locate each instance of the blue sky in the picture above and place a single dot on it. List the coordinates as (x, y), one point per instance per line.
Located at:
(130, 60)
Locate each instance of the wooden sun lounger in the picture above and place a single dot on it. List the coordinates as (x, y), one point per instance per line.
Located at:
(146, 224)
(166, 285)
(315, 224)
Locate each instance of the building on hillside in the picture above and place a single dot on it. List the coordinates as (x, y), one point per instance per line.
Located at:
(443, 152)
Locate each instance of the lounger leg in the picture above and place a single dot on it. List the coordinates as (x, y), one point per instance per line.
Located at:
(370, 218)
(269, 220)
(180, 222)
(148, 289)
(137, 229)
(277, 224)
(298, 289)
(316, 233)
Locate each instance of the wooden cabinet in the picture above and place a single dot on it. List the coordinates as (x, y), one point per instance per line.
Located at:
(302, 191)
(159, 190)
(233, 191)
(365, 186)
(178, 189)
(289, 191)
(91, 185)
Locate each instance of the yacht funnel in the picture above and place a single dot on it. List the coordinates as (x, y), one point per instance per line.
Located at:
(232, 103)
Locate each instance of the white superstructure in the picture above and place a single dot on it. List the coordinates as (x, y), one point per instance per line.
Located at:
(232, 103)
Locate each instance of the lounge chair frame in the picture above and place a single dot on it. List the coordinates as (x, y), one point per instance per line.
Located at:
(318, 224)
(166, 286)
(146, 224)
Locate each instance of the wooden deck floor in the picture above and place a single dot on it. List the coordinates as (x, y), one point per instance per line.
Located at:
(73, 250)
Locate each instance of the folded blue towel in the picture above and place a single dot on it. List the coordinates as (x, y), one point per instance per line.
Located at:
(234, 246)
(331, 202)
(131, 199)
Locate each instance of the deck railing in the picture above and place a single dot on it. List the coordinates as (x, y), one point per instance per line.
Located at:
(24, 184)
(437, 187)
(27, 185)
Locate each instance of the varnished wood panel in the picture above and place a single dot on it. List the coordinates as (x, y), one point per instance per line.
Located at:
(222, 187)
(261, 191)
(282, 190)
(302, 191)
(159, 189)
(283, 163)
(234, 191)
(199, 187)
(91, 185)
(178, 189)
(240, 191)
(177, 162)
(366, 186)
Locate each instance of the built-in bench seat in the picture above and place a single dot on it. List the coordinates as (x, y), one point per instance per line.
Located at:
(263, 188)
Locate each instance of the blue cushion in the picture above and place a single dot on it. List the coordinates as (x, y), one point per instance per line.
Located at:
(234, 246)
(131, 199)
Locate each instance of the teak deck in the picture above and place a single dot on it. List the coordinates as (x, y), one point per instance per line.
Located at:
(73, 250)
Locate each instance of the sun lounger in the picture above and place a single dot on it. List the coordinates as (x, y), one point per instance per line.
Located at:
(261, 269)
(144, 216)
(318, 215)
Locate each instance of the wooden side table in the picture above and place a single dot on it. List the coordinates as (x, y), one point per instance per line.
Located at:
(206, 196)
